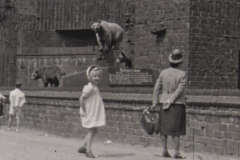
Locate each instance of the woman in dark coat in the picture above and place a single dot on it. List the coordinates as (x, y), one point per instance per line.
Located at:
(169, 91)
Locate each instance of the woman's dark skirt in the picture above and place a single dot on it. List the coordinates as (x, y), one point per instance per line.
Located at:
(1, 109)
(172, 121)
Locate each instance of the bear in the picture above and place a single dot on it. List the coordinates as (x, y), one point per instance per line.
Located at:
(109, 35)
(122, 58)
(49, 74)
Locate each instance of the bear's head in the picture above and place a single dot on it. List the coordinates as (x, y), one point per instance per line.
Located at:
(121, 58)
(35, 75)
(96, 26)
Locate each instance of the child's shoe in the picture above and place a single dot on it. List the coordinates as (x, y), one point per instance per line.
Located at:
(179, 156)
(166, 154)
(90, 154)
(17, 130)
(82, 150)
(8, 129)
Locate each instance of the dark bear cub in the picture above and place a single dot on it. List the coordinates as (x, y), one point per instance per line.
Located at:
(122, 58)
(49, 75)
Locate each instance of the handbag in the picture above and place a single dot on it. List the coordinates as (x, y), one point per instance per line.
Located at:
(149, 121)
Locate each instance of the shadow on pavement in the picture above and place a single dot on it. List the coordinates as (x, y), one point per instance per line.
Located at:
(117, 155)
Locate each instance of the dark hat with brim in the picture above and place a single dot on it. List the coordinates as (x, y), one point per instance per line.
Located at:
(175, 57)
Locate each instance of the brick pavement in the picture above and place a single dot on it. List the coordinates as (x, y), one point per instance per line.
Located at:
(35, 145)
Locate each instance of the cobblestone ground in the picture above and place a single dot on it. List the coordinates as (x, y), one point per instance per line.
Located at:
(32, 144)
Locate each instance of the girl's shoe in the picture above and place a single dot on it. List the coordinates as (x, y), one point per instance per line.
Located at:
(82, 150)
(179, 156)
(166, 154)
(90, 154)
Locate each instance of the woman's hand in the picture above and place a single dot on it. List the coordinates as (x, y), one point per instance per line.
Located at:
(166, 104)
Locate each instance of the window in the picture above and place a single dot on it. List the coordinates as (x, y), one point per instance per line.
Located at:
(78, 38)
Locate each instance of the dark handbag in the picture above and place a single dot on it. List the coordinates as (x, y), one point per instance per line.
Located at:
(149, 121)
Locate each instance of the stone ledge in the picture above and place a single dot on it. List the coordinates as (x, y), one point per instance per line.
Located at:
(134, 90)
(233, 101)
(213, 113)
(190, 109)
(46, 51)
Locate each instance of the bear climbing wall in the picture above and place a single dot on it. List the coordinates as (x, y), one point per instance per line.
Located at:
(54, 32)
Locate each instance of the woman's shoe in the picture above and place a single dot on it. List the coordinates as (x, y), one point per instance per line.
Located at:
(90, 154)
(166, 154)
(179, 156)
(82, 150)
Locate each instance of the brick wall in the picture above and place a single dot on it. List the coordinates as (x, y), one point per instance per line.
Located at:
(206, 32)
(39, 21)
(8, 44)
(155, 50)
(214, 41)
(212, 121)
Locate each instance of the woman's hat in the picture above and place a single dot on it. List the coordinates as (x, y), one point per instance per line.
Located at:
(175, 57)
(91, 68)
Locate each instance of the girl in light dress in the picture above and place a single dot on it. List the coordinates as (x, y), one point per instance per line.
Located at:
(91, 110)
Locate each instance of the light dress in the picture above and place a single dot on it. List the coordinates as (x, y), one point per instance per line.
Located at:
(95, 112)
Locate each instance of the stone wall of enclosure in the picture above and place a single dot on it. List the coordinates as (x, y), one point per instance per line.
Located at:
(212, 121)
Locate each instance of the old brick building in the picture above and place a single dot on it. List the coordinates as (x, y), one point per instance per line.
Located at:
(42, 32)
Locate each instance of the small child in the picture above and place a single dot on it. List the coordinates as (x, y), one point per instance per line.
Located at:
(91, 110)
(17, 99)
(2, 98)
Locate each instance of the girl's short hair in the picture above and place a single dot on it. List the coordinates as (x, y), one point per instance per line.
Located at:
(18, 84)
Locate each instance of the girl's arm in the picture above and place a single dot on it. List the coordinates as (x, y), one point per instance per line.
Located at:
(22, 102)
(2, 96)
(81, 104)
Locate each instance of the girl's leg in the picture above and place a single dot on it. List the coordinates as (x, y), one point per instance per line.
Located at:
(18, 122)
(82, 149)
(1, 120)
(10, 121)
(85, 141)
(92, 132)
